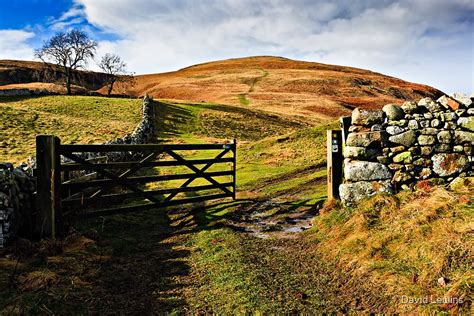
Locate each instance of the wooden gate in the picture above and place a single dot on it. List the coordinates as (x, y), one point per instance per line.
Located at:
(81, 187)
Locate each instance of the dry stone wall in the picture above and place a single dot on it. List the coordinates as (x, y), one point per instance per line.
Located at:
(17, 184)
(22, 92)
(392, 149)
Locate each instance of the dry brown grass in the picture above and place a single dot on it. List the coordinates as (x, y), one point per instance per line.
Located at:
(280, 85)
(406, 243)
(38, 280)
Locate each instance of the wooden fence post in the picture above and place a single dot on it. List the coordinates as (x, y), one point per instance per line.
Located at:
(48, 179)
(334, 162)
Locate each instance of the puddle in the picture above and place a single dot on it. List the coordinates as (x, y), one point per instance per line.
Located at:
(274, 219)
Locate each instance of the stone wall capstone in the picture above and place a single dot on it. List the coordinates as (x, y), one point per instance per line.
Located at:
(392, 149)
(17, 184)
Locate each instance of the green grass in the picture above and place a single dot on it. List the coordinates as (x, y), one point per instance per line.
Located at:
(243, 99)
(241, 274)
(75, 119)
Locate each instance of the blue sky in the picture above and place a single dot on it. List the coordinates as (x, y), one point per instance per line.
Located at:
(424, 41)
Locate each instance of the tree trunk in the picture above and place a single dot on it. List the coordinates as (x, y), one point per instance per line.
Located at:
(111, 86)
(68, 81)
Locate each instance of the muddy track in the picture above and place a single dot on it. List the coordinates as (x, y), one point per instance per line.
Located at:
(290, 175)
(300, 188)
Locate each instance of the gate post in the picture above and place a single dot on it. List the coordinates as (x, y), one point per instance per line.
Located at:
(48, 179)
(334, 162)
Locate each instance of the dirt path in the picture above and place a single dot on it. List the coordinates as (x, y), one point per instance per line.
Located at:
(251, 82)
(279, 268)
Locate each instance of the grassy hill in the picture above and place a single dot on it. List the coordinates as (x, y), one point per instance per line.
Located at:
(274, 84)
(281, 85)
(242, 255)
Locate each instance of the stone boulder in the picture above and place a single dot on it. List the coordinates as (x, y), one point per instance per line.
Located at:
(405, 157)
(393, 112)
(409, 107)
(444, 137)
(461, 137)
(429, 105)
(406, 139)
(366, 171)
(448, 103)
(395, 130)
(364, 139)
(448, 164)
(367, 117)
(360, 152)
(467, 122)
(351, 193)
(426, 140)
(462, 98)
(401, 177)
(459, 184)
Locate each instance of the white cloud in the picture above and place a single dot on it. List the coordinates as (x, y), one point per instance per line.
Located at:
(426, 41)
(72, 17)
(416, 40)
(13, 44)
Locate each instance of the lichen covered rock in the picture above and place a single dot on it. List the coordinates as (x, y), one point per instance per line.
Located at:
(367, 117)
(364, 139)
(406, 139)
(360, 152)
(448, 164)
(393, 112)
(365, 170)
(351, 193)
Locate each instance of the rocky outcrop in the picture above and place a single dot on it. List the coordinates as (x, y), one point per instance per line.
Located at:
(394, 148)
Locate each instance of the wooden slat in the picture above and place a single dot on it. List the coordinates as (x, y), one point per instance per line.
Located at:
(118, 180)
(142, 179)
(128, 195)
(125, 165)
(195, 169)
(148, 206)
(200, 172)
(64, 149)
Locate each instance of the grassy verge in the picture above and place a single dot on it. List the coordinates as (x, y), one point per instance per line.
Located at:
(411, 243)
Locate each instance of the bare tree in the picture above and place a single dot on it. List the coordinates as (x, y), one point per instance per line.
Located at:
(69, 50)
(116, 71)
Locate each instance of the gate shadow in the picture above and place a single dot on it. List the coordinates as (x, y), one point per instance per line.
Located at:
(145, 265)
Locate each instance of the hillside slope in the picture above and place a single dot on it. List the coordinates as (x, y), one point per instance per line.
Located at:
(281, 85)
(34, 75)
(273, 84)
